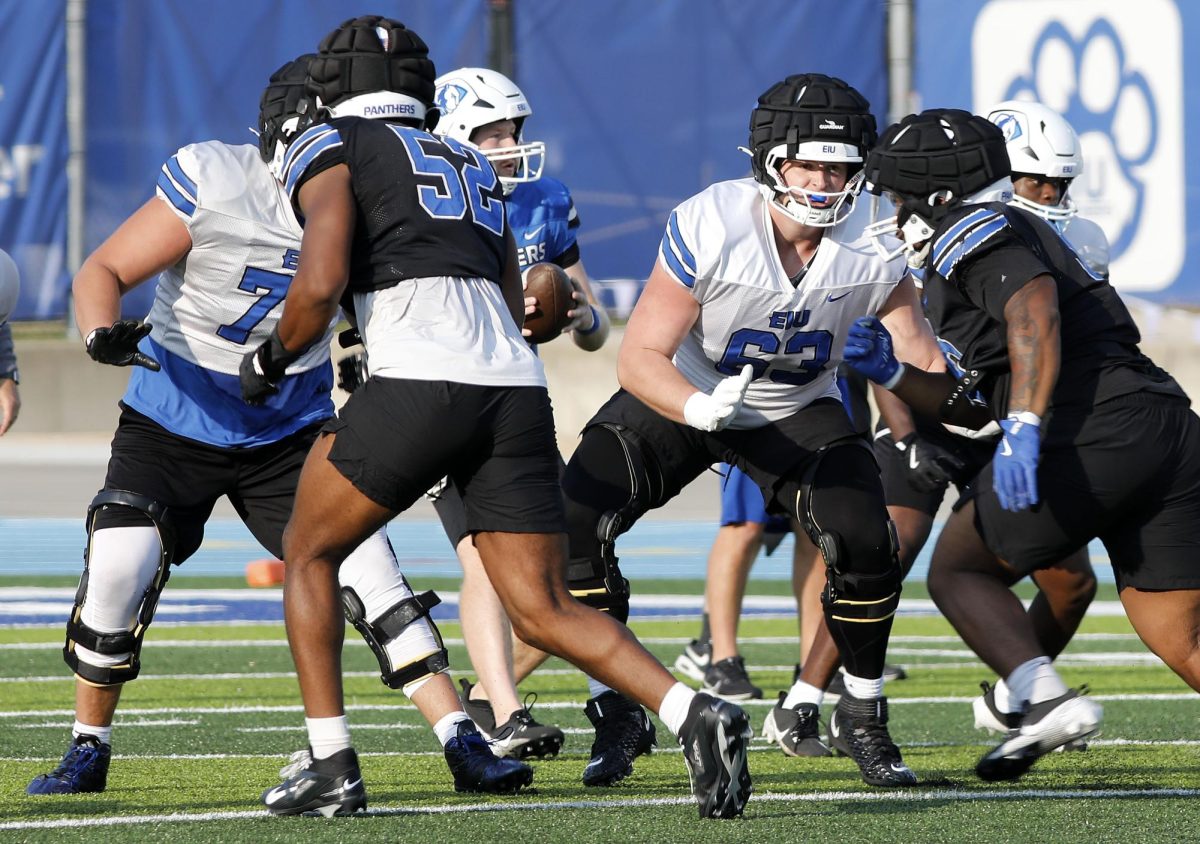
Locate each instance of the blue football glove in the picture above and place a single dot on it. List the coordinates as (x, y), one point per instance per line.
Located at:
(869, 351)
(1014, 468)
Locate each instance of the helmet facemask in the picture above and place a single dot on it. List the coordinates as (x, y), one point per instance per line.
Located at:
(820, 209)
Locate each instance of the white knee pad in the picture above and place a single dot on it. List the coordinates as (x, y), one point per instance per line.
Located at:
(122, 563)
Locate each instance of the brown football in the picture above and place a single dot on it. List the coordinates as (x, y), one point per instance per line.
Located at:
(552, 289)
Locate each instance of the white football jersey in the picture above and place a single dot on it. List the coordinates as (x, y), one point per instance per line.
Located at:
(720, 245)
(226, 296)
(1088, 241)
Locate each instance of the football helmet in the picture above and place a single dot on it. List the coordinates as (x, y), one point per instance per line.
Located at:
(1040, 143)
(930, 163)
(810, 117)
(373, 66)
(471, 97)
(285, 105)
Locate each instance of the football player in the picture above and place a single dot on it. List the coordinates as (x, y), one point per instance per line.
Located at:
(224, 244)
(1097, 440)
(731, 354)
(487, 110)
(920, 457)
(455, 390)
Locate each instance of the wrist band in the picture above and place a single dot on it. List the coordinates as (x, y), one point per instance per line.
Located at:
(595, 323)
(895, 379)
(1026, 416)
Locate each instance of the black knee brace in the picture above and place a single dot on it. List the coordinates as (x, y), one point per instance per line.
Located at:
(128, 641)
(388, 627)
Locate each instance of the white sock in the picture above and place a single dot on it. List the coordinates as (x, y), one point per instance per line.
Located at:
(674, 707)
(802, 692)
(327, 736)
(102, 733)
(1034, 681)
(447, 726)
(862, 688)
(596, 688)
(1003, 698)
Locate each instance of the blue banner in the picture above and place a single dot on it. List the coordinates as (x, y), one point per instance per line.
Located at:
(163, 75)
(33, 152)
(1119, 73)
(642, 105)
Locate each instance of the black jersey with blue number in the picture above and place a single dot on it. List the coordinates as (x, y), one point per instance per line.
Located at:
(427, 205)
(980, 257)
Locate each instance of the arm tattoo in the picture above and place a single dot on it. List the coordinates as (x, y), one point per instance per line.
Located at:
(1032, 345)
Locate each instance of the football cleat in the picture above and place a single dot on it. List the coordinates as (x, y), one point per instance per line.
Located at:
(327, 787)
(988, 716)
(858, 729)
(522, 737)
(714, 738)
(623, 733)
(728, 679)
(694, 660)
(82, 770)
(1046, 726)
(795, 730)
(476, 768)
(479, 711)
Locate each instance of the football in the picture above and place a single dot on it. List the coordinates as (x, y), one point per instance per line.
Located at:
(552, 289)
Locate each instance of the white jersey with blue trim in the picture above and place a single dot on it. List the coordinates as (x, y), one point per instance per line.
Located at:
(720, 244)
(222, 300)
(226, 296)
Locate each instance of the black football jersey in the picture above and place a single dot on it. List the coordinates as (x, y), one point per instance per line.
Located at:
(427, 205)
(984, 254)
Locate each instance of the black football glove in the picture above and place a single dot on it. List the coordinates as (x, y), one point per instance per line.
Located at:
(263, 368)
(930, 467)
(117, 345)
(352, 372)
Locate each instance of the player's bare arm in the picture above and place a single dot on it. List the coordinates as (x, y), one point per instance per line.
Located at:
(327, 202)
(664, 314)
(1033, 345)
(151, 240)
(510, 284)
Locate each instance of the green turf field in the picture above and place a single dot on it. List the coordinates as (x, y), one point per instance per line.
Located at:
(216, 713)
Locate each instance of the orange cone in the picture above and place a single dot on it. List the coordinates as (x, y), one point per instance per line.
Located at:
(268, 572)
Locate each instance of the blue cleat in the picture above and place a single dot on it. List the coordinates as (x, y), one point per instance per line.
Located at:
(476, 768)
(83, 769)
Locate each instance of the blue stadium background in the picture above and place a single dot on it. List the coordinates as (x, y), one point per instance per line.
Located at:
(641, 104)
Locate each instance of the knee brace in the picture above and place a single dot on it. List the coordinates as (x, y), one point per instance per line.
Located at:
(862, 576)
(595, 578)
(129, 642)
(410, 614)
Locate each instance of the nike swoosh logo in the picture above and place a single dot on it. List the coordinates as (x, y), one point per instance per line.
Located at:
(351, 785)
(532, 233)
(833, 727)
(276, 793)
(1005, 448)
(833, 298)
(912, 458)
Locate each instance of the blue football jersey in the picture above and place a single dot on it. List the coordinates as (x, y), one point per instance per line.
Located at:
(544, 223)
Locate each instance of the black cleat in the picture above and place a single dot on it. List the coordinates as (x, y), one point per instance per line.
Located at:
(728, 679)
(623, 733)
(1068, 719)
(714, 738)
(479, 711)
(82, 770)
(521, 737)
(476, 768)
(795, 730)
(328, 787)
(858, 729)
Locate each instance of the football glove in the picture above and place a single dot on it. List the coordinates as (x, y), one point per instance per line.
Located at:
(1014, 468)
(869, 351)
(713, 411)
(117, 345)
(352, 372)
(263, 368)
(929, 467)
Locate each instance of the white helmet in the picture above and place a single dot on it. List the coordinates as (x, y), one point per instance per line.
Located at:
(10, 286)
(1040, 143)
(471, 97)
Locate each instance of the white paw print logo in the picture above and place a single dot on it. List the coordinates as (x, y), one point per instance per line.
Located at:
(1109, 67)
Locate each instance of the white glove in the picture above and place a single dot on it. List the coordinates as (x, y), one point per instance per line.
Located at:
(712, 412)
